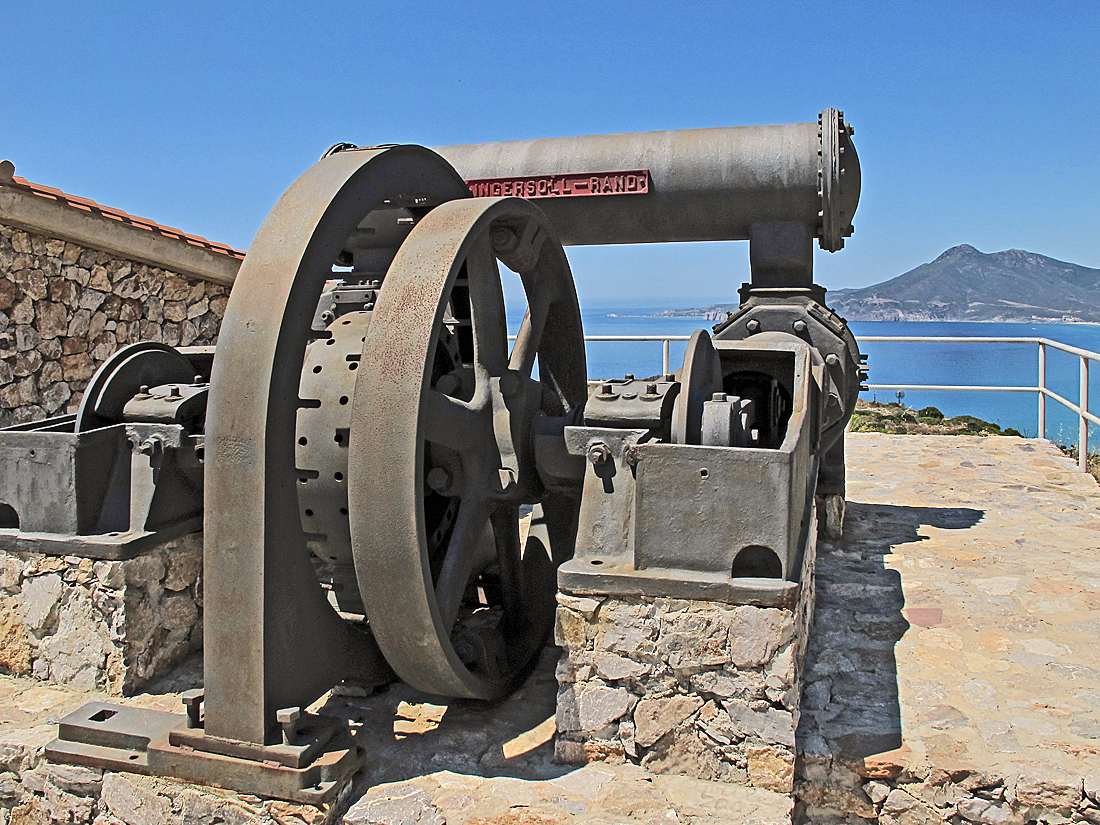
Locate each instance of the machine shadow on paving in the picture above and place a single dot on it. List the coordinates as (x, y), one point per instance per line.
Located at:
(362, 443)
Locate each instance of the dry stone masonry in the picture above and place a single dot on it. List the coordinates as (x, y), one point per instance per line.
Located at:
(106, 626)
(64, 309)
(697, 688)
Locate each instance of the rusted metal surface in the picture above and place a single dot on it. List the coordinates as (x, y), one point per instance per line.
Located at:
(706, 184)
(113, 479)
(581, 185)
(272, 640)
(114, 737)
(473, 606)
(371, 441)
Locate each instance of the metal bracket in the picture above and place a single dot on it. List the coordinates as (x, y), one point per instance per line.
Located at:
(311, 770)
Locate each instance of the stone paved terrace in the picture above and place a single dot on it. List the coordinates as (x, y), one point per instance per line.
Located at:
(952, 675)
(956, 650)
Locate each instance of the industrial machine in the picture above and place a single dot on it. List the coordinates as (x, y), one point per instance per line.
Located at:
(388, 488)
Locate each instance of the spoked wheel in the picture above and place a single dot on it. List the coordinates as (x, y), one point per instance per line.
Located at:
(442, 459)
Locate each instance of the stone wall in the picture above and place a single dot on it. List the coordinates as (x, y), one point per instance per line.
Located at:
(697, 688)
(101, 625)
(64, 309)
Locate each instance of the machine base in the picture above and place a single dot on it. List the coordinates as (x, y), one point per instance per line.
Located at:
(117, 738)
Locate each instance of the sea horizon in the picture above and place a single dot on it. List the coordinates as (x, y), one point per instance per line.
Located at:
(895, 363)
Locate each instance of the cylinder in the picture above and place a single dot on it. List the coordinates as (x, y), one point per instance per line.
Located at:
(686, 185)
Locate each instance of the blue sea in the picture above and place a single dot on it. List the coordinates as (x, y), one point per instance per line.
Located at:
(899, 363)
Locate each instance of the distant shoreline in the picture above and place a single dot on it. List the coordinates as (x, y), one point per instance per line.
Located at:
(711, 317)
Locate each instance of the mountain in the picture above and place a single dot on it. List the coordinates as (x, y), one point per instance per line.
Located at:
(964, 284)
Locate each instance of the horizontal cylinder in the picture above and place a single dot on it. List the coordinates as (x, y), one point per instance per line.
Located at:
(703, 184)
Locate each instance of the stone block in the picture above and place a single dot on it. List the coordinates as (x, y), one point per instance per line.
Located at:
(107, 625)
(702, 689)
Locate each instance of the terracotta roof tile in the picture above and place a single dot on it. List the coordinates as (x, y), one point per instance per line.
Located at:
(118, 215)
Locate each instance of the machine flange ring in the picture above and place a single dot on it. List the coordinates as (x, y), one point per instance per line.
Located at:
(465, 616)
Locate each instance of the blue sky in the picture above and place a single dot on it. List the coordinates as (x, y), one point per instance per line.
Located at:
(975, 123)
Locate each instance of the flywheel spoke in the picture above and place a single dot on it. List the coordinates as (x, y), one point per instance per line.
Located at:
(528, 339)
(450, 421)
(487, 311)
(470, 535)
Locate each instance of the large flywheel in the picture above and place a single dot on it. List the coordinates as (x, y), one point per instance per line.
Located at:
(441, 457)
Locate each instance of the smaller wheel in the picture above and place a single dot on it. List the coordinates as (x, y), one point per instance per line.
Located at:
(700, 378)
(122, 376)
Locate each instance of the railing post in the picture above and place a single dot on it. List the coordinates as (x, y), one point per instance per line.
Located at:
(1042, 390)
(665, 369)
(1083, 432)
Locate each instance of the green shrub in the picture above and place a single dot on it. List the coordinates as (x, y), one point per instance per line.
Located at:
(928, 419)
(1012, 431)
(930, 412)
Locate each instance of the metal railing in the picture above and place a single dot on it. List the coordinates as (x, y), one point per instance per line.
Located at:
(1041, 389)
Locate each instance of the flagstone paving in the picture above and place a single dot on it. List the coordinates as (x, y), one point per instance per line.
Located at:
(958, 621)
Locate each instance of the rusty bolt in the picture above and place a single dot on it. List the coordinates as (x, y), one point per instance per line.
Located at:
(192, 700)
(607, 389)
(173, 391)
(440, 480)
(151, 445)
(753, 326)
(288, 718)
(668, 376)
(599, 454)
(504, 240)
(650, 389)
(633, 455)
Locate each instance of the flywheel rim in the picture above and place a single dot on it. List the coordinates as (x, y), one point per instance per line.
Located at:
(397, 414)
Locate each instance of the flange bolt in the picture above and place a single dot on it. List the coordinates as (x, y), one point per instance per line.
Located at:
(192, 700)
(799, 326)
(832, 359)
(599, 454)
(753, 326)
(440, 480)
(288, 718)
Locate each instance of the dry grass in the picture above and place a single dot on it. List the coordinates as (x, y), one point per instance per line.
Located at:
(875, 417)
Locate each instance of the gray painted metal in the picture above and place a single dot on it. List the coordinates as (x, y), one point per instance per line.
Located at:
(272, 640)
(470, 437)
(674, 519)
(123, 474)
(312, 770)
(707, 184)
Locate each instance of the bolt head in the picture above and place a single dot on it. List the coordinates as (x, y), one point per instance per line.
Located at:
(718, 396)
(440, 480)
(599, 454)
(193, 697)
(799, 326)
(753, 326)
(832, 359)
(288, 716)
